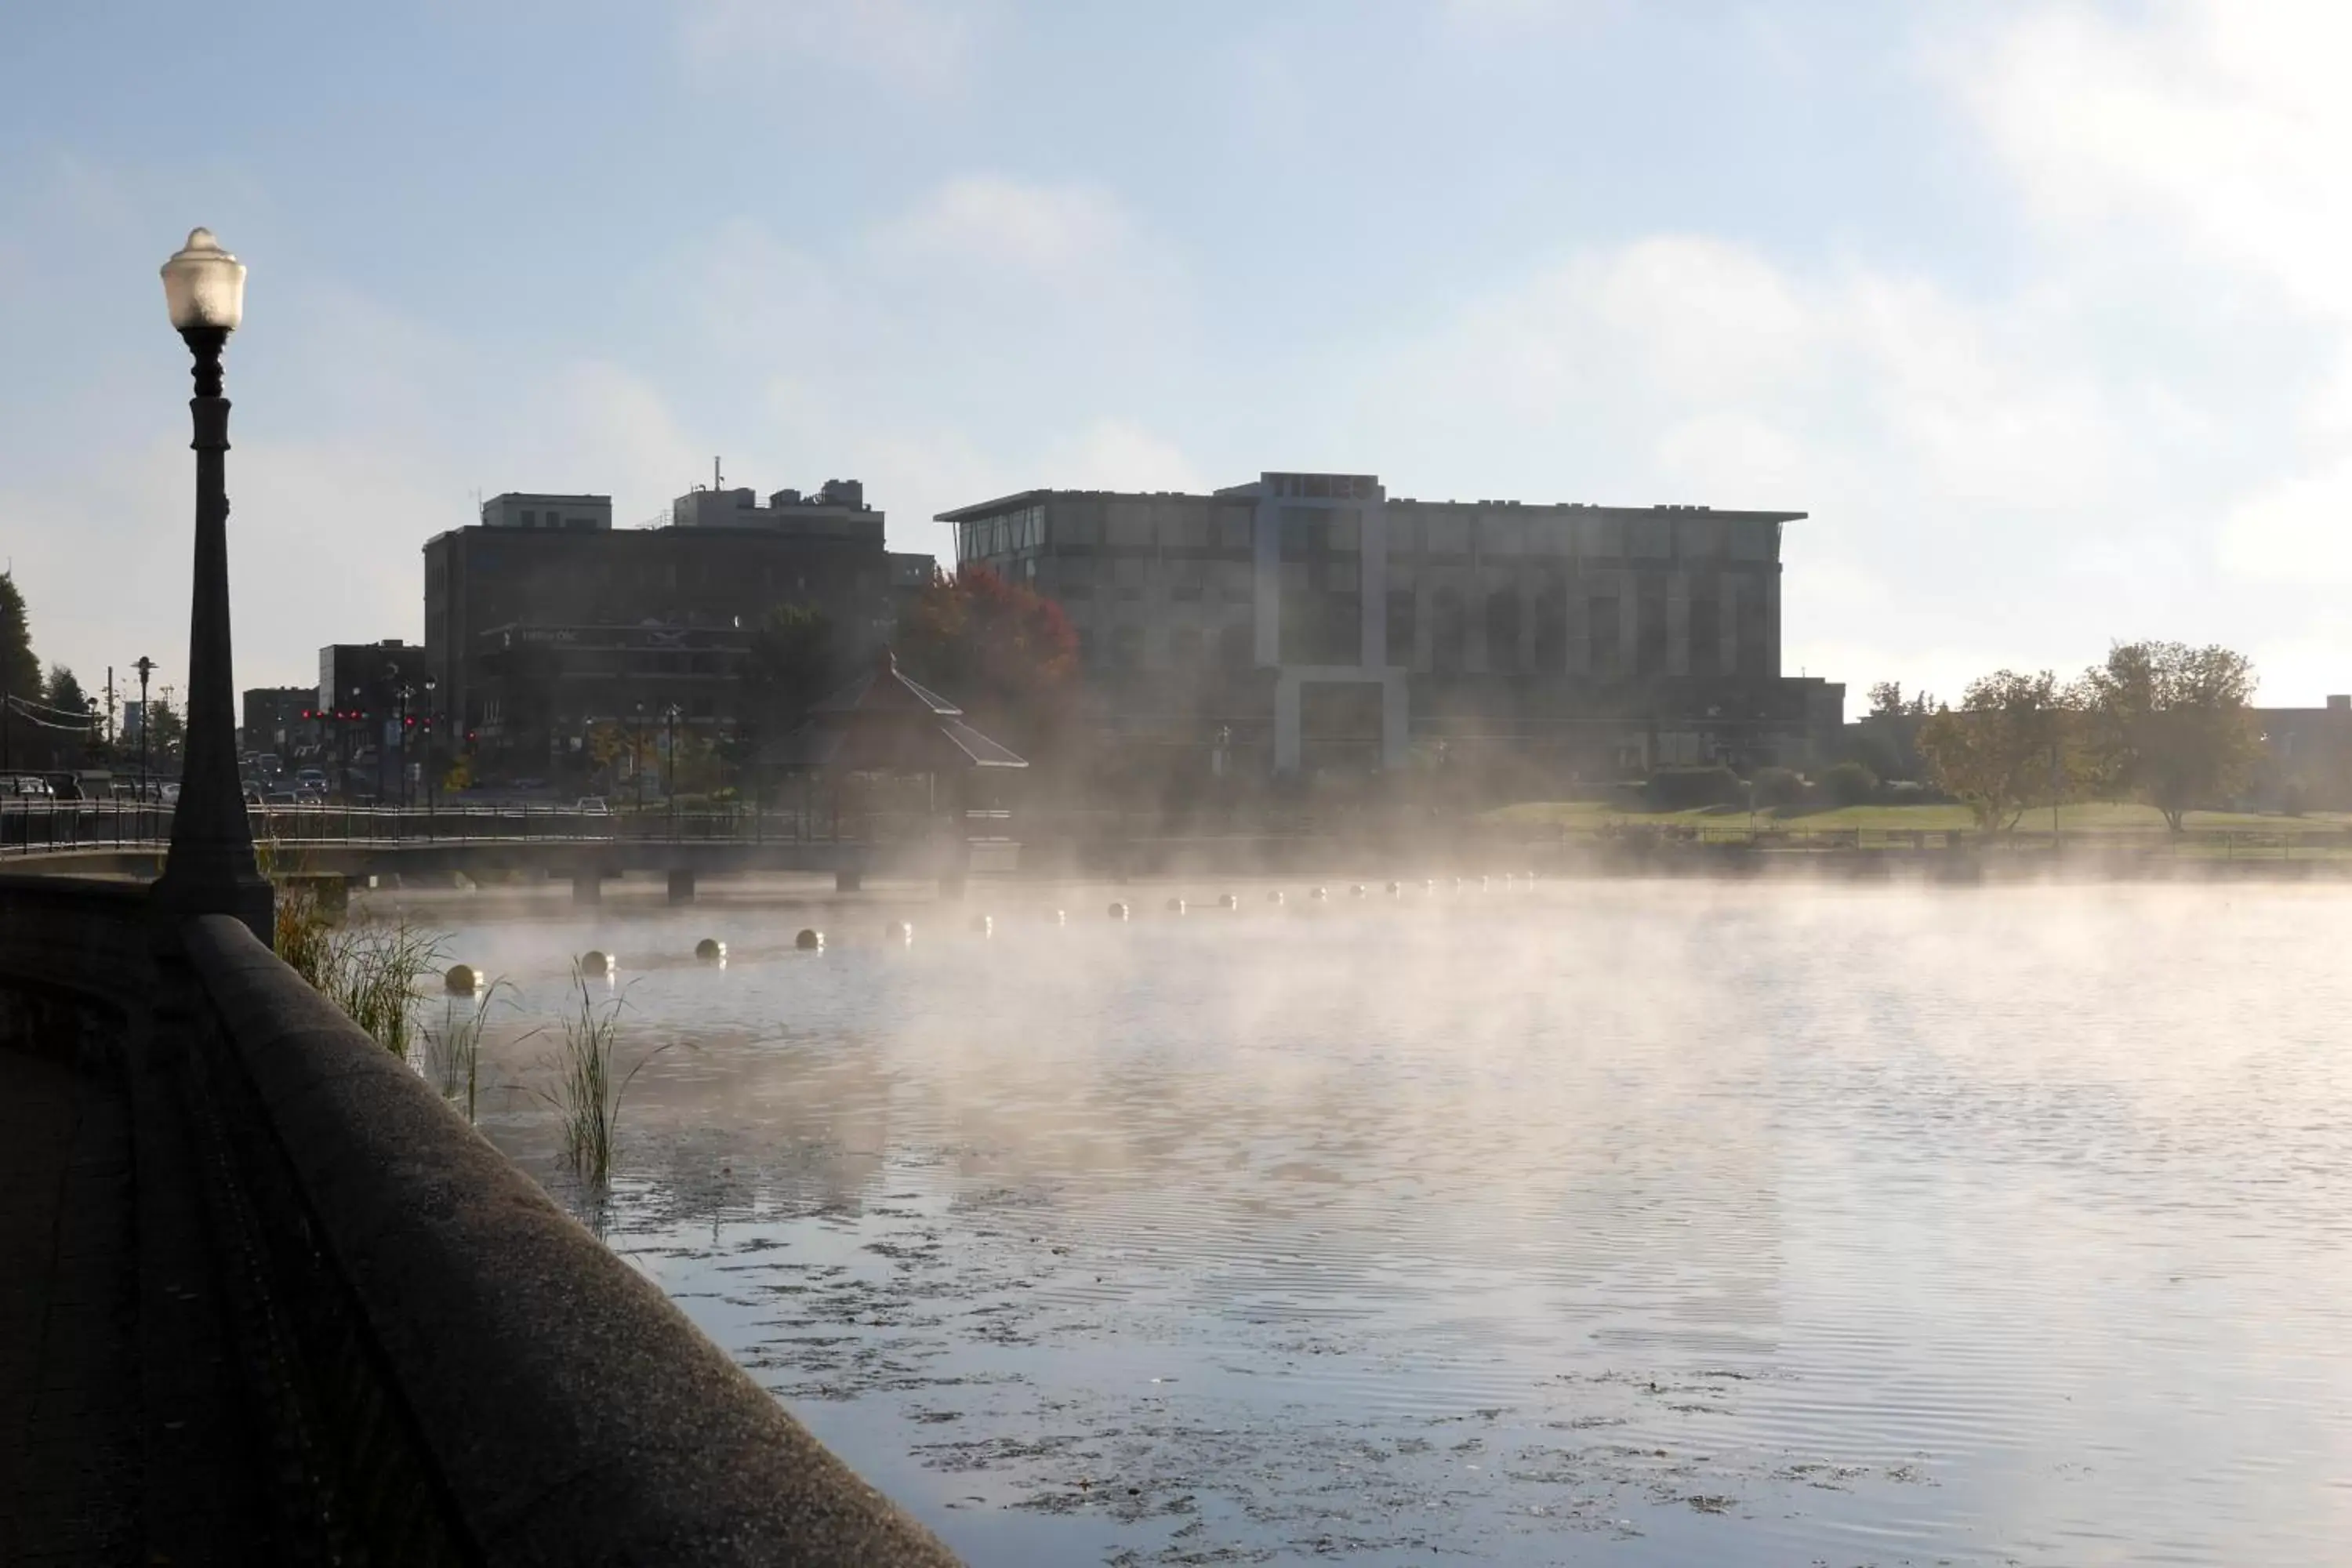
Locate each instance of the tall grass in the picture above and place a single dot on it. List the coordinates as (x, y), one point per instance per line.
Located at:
(589, 1085)
(370, 970)
(453, 1053)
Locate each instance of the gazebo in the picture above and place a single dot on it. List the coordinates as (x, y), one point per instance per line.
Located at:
(884, 724)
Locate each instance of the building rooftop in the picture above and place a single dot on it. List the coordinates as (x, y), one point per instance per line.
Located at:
(1343, 486)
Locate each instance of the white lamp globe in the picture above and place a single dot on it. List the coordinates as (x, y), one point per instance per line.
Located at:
(204, 286)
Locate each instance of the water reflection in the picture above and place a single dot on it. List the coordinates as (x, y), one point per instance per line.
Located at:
(1610, 1222)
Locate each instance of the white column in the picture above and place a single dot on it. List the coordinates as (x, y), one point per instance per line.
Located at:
(1286, 722)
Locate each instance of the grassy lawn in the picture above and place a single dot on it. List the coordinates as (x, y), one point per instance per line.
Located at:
(2099, 819)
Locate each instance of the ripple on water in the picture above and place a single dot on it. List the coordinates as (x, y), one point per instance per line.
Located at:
(1642, 1223)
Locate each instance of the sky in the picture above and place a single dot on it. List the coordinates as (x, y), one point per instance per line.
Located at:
(2042, 312)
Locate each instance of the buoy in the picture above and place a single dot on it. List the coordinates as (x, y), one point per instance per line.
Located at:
(1356, 891)
(710, 949)
(983, 925)
(811, 940)
(1175, 906)
(901, 932)
(1484, 883)
(1396, 890)
(1118, 911)
(1061, 917)
(595, 963)
(1275, 897)
(1458, 884)
(461, 979)
(1429, 884)
(1318, 895)
(1227, 902)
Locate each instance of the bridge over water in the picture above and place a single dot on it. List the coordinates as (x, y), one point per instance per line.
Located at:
(586, 848)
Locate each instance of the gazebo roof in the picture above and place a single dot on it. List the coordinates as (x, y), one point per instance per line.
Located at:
(884, 723)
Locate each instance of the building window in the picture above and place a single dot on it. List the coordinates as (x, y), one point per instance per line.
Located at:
(1604, 635)
(1503, 630)
(1551, 627)
(1401, 603)
(1185, 647)
(1706, 633)
(1302, 532)
(1754, 635)
(1449, 631)
(1649, 627)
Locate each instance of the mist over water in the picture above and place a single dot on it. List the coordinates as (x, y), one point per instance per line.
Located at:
(1606, 1221)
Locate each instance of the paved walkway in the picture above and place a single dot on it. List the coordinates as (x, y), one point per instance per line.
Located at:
(71, 1473)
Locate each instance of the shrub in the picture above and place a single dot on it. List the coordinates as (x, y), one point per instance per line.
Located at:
(1776, 788)
(1682, 789)
(1850, 783)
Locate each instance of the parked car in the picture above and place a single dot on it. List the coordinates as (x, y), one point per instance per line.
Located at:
(593, 806)
(311, 778)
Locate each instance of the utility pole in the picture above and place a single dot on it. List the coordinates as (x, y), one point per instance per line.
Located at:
(110, 706)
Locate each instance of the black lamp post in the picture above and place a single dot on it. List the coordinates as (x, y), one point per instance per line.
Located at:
(406, 692)
(145, 667)
(669, 787)
(210, 869)
(432, 747)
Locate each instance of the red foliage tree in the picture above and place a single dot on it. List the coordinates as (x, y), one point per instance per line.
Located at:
(1003, 653)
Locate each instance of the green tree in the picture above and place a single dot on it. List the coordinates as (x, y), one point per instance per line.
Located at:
(2172, 725)
(64, 692)
(1002, 652)
(1886, 739)
(789, 667)
(20, 676)
(2013, 742)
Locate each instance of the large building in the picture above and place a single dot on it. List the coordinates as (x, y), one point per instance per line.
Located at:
(1315, 618)
(537, 632)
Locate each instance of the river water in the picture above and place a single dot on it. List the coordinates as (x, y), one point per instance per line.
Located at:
(1604, 1222)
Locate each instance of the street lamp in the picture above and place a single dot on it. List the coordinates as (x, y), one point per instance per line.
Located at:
(669, 723)
(432, 747)
(637, 759)
(210, 869)
(145, 667)
(392, 694)
(406, 692)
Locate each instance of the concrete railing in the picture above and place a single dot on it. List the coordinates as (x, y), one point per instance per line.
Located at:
(431, 1360)
(461, 1343)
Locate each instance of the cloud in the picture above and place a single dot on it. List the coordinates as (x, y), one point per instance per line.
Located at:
(912, 44)
(1050, 231)
(1982, 486)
